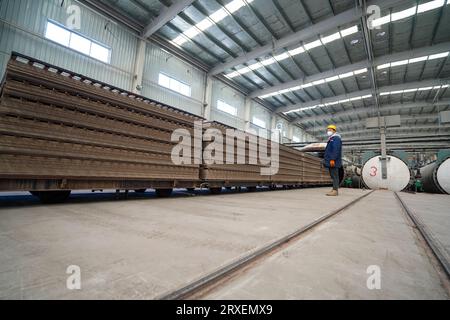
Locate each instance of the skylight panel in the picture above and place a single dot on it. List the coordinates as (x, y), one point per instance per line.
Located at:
(419, 59)
(438, 55)
(403, 14)
(313, 45)
(380, 21)
(430, 5)
(349, 31)
(399, 63)
(330, 38)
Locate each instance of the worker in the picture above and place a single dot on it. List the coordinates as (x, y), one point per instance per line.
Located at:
(333, 158)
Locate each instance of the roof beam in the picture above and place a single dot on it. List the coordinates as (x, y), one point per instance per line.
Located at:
(403, 86)
(167, 14)
(342, 127)
(391, 130)
(364, 111)
(322, 27)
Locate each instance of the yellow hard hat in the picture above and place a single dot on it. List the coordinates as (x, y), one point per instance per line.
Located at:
(332, 126)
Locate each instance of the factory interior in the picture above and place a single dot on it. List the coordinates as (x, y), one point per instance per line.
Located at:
(225, 150)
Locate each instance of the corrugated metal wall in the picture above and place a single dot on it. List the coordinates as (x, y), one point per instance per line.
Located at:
(157, 61)
(32, 15)
(221, 91)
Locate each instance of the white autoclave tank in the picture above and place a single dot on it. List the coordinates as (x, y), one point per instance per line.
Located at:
(398, 174)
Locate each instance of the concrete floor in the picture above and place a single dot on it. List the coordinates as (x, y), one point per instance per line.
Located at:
(144, 247)
(332, 262)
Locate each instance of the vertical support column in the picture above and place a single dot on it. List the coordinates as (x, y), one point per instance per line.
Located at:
(290, 132)
(207, 99)
(383, 151)
(247, 112)
(139, 67)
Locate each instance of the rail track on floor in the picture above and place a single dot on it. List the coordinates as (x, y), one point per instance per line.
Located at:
(200, 287)
(433, 244)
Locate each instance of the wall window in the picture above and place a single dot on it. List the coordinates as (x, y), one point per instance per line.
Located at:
(259, 122)
(295, 139)
(77, 42)
(173, 84)
(225, 107)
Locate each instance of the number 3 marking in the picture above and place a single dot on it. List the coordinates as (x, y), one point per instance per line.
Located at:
(373, 173)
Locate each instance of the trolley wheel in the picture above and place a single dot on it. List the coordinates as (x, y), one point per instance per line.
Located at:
(164, 193)
(273, 187)
(251, 189)
(140, 190)
(190, 189)
(49, 197)
(215, 190)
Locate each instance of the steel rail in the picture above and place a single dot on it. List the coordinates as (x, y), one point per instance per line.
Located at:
(210, 280)
(435, 246)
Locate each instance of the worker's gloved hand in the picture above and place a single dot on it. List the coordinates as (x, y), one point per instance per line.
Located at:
(332, 163)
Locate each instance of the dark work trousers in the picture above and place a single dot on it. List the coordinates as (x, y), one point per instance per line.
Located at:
(334, 173)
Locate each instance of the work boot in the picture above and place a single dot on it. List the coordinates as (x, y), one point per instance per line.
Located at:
(333, 193)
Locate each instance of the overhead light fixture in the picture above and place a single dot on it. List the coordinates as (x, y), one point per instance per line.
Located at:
(384, 66)
(399, 63)
(268, 61)
(312, 45)
(218, 15)
(330, 79)
(296, 51)
(316, 83)
(349, 31)
(209, 21)
(360, 71)
(204, 24)
(419, 59)
(354, 42)
(234, 6)
(381, 34)
(321, 81)
(403, 14)
(380, 21)
(430, 5)
(282, 56)
(413, 90)
(345, 75)
(330, 103)
(331, 38)
(438, 55)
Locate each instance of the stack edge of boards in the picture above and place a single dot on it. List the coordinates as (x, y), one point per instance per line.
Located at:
(62, 131)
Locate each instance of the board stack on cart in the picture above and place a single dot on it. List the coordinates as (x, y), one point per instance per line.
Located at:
(235, 174)
(59, 129)
(290, 167)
